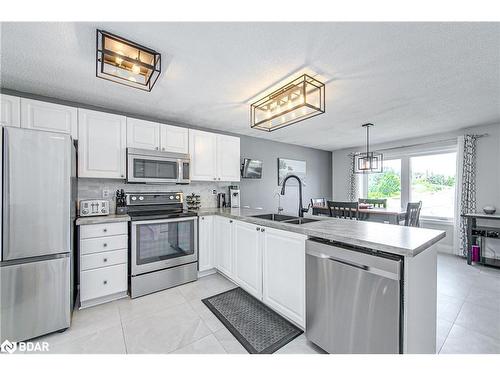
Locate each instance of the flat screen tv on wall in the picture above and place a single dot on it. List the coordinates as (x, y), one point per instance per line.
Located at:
(251, 168)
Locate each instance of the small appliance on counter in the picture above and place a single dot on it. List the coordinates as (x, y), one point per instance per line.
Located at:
(193, 202)
(221, 200)
(121, 209)
(94, 207)
(234, 196)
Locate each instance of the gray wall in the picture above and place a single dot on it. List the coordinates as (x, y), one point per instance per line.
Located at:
(262, 193)
(487, 177)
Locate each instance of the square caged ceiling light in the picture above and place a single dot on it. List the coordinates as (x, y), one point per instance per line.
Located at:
(300, 99)
(369, 161)
(122, 61)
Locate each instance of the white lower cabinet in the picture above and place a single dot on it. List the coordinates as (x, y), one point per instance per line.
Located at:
(206, 259)
(283, 255)
(268, 263)
(248, 257)
(103, 263)
(223, 242)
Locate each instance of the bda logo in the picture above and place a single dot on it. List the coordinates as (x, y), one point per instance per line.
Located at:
(8, 347)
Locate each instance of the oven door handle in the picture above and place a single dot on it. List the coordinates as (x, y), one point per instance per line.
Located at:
(161, 221)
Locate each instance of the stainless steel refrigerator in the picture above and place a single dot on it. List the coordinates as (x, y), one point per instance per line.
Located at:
(39, 180)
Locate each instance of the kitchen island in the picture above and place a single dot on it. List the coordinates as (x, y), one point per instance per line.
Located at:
(268, 259)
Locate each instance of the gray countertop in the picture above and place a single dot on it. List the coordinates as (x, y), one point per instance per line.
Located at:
(86, 220)
(394, 239)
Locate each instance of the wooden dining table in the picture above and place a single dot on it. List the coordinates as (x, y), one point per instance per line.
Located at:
(389, 215)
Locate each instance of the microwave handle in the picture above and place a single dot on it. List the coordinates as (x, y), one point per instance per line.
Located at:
(179, 170)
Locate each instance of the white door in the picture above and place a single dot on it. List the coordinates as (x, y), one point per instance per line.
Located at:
(206, 243)
(102, 144)
(49, 117)
(223, 242)
(284, 273)
(203, 150)
(143, 134)
(248, 257)
(10, 110)
(174, 139)
(228, 158)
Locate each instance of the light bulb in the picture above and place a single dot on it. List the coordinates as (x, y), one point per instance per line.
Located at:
(136, 69)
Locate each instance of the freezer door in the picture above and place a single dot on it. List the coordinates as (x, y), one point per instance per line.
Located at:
(36, 199)
(35, 298)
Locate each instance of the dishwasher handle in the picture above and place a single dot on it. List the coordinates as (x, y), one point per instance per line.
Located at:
(390, 274)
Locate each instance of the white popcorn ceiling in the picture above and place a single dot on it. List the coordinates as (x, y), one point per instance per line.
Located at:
(410, 79)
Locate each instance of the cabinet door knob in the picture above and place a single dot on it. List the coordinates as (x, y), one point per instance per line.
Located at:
(257, 229)
(122, 176)
(104, 230)
(105, 260)
(262, 230)
(163, 148)
(105, 282)
(202, 218)
(105, 244)
(230, 221)
(219, 178)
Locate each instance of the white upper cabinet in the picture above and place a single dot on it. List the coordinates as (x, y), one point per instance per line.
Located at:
(40, 115)
(228, 158)
(102, 144)
(203, 150)
(214, 157)
(10, 110)
(143, 134)
(284, 273)
(248, 257)
(174, 139)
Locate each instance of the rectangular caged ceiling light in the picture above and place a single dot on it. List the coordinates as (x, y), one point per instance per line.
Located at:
(122, 61)
(302, 98)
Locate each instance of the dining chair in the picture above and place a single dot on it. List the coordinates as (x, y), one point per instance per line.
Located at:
(412, 217)
(318, 201)
(380, 203)
(344, 210)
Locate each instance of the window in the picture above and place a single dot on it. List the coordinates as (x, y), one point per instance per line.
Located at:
(433, 183)
(387, 184)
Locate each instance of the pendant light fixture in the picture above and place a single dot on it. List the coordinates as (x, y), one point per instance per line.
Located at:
(369, 161)
(300, 99)
(126, 62)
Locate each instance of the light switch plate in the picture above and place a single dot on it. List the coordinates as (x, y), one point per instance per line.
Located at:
(214, 192)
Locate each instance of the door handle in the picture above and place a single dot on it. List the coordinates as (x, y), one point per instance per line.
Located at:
(347, 263)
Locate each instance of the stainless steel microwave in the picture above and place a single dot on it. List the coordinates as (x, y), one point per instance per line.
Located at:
(157, 167)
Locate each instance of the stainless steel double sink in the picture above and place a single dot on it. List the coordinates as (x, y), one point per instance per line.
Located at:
(285, 218)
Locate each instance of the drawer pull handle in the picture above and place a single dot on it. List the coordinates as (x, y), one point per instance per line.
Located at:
(262, 229)
(104, 230)
(105, 259)
(257, 229)
(105, 282)
(105, 244)
(230, 221)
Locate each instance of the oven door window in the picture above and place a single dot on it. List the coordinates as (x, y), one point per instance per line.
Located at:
(163, 241)
(155, 169)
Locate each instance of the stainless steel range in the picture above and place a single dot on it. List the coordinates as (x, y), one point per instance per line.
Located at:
(163, 242)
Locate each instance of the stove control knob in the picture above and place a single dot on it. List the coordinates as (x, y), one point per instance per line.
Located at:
(85, 212)
(134, 198)
(141, 198)
(176, 197)
(171, 197)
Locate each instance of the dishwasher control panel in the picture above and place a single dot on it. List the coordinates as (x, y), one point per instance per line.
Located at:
(94, 207)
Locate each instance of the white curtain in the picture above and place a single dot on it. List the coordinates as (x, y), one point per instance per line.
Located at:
(466, 188)
(352, 188)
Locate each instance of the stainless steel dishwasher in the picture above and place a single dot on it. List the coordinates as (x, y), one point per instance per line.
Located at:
(353, 299)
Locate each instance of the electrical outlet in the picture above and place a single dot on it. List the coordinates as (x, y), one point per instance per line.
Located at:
(105, 193)
(214, 192)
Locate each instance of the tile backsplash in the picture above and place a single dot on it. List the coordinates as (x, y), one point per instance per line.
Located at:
(92, 188)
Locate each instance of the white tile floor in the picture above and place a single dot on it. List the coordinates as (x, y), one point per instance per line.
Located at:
(176, 321)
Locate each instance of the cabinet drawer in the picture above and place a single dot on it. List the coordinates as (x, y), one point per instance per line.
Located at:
(107, 258)
(103, 281)
(99, 230)
(100, 244)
